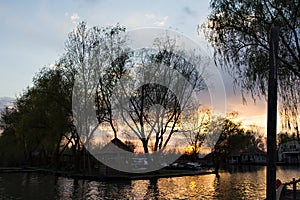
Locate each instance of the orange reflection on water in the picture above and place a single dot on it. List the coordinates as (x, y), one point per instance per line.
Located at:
(238, 182)
(189, 187)
(235, 184)
(139, 189)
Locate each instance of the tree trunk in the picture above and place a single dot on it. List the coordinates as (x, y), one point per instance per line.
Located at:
(76, 154)
(55, 162)
(145, 145)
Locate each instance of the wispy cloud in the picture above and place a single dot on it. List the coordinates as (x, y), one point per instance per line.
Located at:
(161, 22)
(156, 20)
(150, 16)
(73, 17)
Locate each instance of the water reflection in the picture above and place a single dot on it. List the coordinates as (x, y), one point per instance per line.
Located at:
(64, 187)
(140, 189)
(235, 183)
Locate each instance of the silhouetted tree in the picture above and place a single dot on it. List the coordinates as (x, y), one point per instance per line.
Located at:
(96, 57)
(284, 137)
(195, 137)
(239, 32)
(41, 117)
(153, 112)
(233, 138)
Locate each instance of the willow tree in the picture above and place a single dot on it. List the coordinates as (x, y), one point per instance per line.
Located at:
(239, 32)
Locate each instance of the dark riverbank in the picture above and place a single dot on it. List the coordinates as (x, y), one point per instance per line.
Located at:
(163, 173)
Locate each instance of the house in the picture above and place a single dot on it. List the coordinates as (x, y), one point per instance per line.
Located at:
(289, 152)
(250, 155)
(113, 155)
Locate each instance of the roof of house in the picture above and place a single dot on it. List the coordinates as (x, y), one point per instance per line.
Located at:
(115, 146)
(253, 150)
(250, 150)
(291, 142)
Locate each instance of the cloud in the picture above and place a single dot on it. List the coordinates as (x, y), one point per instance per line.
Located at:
(150, 16)
(189, 11)
(157, 21)
(74, 17)
(161, 22)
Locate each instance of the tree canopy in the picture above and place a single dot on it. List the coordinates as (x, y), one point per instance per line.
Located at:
(239, 32)
(234, 138)
(41, 117)
(103, 64)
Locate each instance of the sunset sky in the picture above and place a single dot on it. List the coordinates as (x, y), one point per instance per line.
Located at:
(33, 35)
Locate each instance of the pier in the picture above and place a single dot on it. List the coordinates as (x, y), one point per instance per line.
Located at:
(289, 190)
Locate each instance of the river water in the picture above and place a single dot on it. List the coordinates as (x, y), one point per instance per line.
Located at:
(247, 182)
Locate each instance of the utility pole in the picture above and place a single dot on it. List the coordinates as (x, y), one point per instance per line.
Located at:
(272, 115)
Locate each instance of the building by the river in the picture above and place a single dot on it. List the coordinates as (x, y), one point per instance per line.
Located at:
(248, 156)
(289, 152)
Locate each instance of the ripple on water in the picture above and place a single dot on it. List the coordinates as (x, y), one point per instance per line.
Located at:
(236, 183)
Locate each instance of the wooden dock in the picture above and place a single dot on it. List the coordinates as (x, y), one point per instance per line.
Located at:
(289, 195)
(290, 190)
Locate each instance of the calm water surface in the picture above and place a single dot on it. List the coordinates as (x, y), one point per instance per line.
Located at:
(236, 183)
